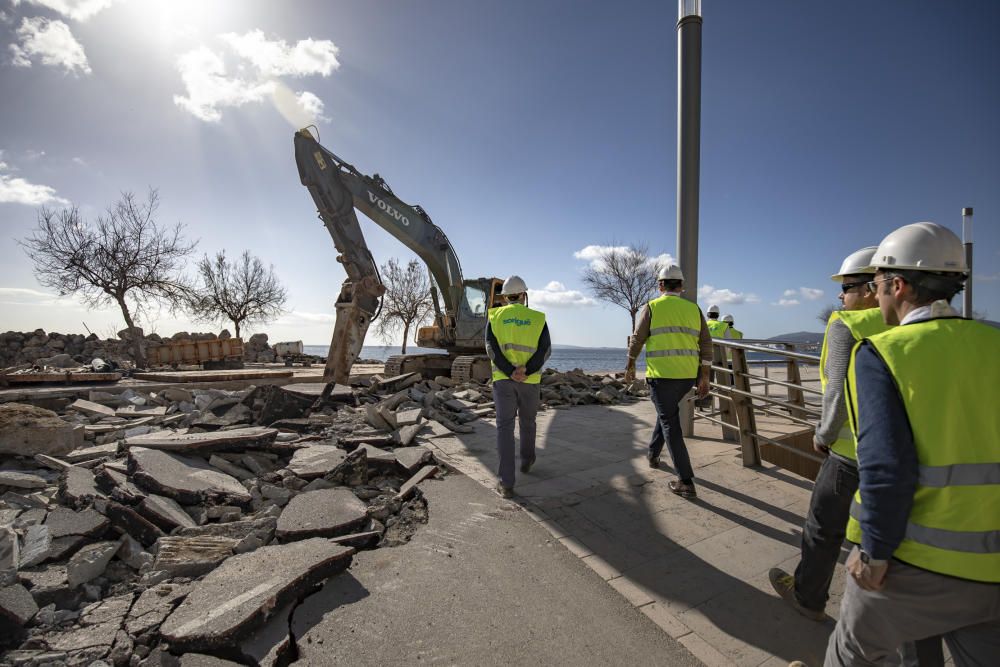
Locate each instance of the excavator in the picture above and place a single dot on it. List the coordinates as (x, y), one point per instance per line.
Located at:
(460, 305)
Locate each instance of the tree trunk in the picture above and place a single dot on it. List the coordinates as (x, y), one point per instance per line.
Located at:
(140, 360)
(236, 325)
(406, 335)
(632, 314)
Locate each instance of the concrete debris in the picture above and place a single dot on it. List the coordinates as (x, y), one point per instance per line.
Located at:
(92, 409)
(10, 549)
(271, 645)
(202, 660)
(192, 556)
(153, 607)
(16, 604)
(316, 461)
(90, 562)
(324, 513)
(26, 430)
(165, 513)
(224, 608)
(411, 458)
(35, 545)
(237, 439)
(186, 480)
(18, 479)
(411, 484)
(130, 522)
(63, 522)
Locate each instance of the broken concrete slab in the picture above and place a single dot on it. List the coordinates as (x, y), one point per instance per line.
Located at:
(91, 409)
(202, 660)
(192, 556)
(132, 554)
(280, 404)
(63, 521)
(271, 645)
(262, 527)
(35, 545)
(91, 453)
(26, 430)
(238, 596)
(399, 382)
(130, 522)
(10, 549)
(153, 606)
(377, 456)
(90, 562)
(230, 468)
(316, 461)
(235, 439)
(375, 418)
(19, 479)
(165, 513)
(100, 623)
(411, 484)
(17, 605)
(49, 585)
(33, 517)
(406, 434)
(130, 411)
(411, 458)
(186, 480)
(323, 513)
(358, 540)
(116, 484)
(64, 547)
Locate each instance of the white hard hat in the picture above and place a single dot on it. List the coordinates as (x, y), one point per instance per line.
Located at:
(513, 285)
(922, 246)
(713, 310)
(728, 318)
(859, 261)
(672, 272)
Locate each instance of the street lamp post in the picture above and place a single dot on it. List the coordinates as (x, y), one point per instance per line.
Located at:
(967, 240)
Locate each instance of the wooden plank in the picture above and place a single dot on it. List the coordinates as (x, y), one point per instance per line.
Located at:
(213, 376)
(23, 378)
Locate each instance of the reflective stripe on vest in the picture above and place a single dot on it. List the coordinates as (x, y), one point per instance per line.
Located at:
(517, 329)
(672, 346)
(862, 324)
(947, 372)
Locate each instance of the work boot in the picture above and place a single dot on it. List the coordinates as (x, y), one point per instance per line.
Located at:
(681, 489)
(654, 461)
(784, 585)
(527, 463)
(505, 491)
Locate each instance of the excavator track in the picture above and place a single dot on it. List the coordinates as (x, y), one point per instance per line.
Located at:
(394, 365)
(428, 365)
(471, 367)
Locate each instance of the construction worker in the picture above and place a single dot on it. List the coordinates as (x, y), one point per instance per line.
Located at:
(922, 398)
(518, 343)
(826, 523)
(676, 338)
(716, 327)
(734, 333)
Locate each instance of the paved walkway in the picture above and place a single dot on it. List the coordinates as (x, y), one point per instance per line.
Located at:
(698, 568)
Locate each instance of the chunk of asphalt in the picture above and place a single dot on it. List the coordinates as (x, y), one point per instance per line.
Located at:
(239, 595)
(196, 443)
(323, 513)
(153, 606)
(17, 605)
(186, 480)
(411, 458)
(78, 488)
(132, 523)
(192, 556)
(165, 513)
(90, 562)
(63, 522)
(316, 461)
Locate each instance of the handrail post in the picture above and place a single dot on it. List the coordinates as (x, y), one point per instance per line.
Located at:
(792, 376)
(724, 380)
(742, 406)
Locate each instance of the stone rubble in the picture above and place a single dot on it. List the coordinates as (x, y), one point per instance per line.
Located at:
(135, 523)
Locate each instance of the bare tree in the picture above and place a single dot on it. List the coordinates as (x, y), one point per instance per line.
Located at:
(824, 315)
(624, 276)
(407, 300)
(126, 258)
(243, 291)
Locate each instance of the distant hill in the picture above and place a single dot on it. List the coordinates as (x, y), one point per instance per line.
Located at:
(800, 337)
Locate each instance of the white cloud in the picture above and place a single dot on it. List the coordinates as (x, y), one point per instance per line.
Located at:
(785, 302)
(277, 58)
(80, 161)
(78, 10)
(808, 293)
(22, 296)
(19, 191)
(555, 295)
(714, 296)
(52, 42)
(208, 86)
(260, 62)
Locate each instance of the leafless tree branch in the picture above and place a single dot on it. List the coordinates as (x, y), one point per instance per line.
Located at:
(623, 276)
(407, 300)
(243, 291)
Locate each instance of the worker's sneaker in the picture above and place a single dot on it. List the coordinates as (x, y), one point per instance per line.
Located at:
(784, 585)
(654, 461)
(681, 489)
(527, 463)
(505, 491)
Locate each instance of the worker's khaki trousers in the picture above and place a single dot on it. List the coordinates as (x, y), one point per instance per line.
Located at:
(912, 605)
(514, 401)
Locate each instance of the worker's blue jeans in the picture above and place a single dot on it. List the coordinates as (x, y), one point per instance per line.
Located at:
(514, 400)
(666, 394)
(824, 530)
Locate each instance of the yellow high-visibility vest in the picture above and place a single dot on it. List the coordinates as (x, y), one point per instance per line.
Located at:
(717, 328)
(948, 373)
(672, 346)
(517, 329)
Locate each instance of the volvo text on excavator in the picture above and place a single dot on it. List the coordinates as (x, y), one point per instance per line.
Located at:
(460, 306)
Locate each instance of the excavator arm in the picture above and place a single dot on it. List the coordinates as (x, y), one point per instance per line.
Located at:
(338, 188)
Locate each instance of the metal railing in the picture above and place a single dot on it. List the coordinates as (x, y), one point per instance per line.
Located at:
(742, 395)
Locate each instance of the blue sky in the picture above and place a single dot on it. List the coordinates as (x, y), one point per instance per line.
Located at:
(528, 130)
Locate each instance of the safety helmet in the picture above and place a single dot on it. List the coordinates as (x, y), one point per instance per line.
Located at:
(513, 285)
(922, 246)
(672, 272)
(857, 262)
(728, 318)
(713, 310)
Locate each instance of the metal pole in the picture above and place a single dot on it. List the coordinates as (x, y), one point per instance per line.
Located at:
(688, 156)
(967, 240)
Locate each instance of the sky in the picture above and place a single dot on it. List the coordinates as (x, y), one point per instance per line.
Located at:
(533, 132)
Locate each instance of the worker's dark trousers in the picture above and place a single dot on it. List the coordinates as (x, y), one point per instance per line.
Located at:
(666, 395)
(514, 400)
(824, 531)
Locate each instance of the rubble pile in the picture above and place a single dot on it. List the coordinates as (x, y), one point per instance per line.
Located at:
(67, 351)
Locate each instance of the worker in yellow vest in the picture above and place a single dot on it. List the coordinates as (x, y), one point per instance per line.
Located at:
(678, 355)
(734, 333)
(826, 522)
(922, 399)
(518, 343)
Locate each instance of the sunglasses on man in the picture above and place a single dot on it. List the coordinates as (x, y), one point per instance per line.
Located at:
(847, 287)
